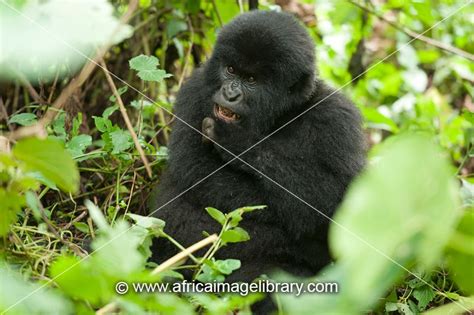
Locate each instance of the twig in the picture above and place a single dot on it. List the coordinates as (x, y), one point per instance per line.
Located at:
(191, 249)
(4, 113)
(241, 6)
(76, 219)
(38, 128)
(76, 249)
(413, 34)
(38, 99)
(126, 119)
(188, 53)
(53, 87)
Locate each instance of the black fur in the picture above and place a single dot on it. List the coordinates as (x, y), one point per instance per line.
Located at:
(315, 157)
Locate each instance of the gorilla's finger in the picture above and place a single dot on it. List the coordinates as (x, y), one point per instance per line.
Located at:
(208, 130)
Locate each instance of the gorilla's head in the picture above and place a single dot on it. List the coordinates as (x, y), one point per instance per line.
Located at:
(262, 66)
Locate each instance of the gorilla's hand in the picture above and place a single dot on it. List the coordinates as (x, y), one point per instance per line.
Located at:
(208, 130)
(229, 136)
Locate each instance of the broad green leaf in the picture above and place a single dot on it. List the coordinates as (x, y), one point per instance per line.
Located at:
(51, 159)
(153, 75)
(121, 140)
(23, 119)
(424, 295)
(216, 215)
(227, 266)
(235, 235)
(398, 214)
(116, 251)
(146, 221)
(39, 300)
(377, 120)
(143, 62)
(109, 111)
(74, 30)
(78, 144)
(461, 253)
(147, 68)
(10, 205)
(72, 273)
(458, 307)
(210, 273)
(175, 26)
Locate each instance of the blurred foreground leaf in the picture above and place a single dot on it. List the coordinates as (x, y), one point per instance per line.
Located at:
(399, 213)
(51, 159)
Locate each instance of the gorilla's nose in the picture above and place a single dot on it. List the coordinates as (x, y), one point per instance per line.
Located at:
(232, 94)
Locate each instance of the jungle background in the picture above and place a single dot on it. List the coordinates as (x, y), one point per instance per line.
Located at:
(86, 96)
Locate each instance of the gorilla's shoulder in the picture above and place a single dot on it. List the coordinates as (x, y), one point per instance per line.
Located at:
(331, 103)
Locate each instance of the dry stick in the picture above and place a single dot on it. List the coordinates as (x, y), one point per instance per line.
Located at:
(241, 6)
(126, 118)
(191, 249)
(112, 306)
(38, 129)
(53, 87)
(31, 89)
(188, 53)
(413, 34)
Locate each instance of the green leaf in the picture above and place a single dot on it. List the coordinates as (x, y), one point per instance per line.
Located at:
(461, 253)
(117, 251)
(235, 235)
(460, 306)
(227, 266)
(147, 68)
(23, 119)
(81, 226)
(398, 214)
(32, 202)
(210, 273)
(78, 144)
(147, 222)
(175, 26)
(71, 273)
(40, 300)
(153, 75)
(51, 159)
(143, 62)
(377, 120)
(109, 111)
(424, 295)
(121, 140)
(216, 215)
(10, 206)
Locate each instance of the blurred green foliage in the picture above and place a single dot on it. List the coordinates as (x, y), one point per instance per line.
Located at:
(404, 234)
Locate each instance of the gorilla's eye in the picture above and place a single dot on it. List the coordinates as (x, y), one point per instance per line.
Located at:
(230, 69)
(251, 79)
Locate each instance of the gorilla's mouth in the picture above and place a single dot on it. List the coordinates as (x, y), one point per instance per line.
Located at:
(225, 114)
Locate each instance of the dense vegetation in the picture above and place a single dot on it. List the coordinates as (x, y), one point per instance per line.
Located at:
(81, 148)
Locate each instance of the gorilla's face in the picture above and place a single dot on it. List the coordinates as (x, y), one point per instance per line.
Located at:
(260, 72)
(261, 68)
(232, 102)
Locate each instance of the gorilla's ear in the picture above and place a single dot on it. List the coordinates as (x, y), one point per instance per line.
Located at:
(303, 86)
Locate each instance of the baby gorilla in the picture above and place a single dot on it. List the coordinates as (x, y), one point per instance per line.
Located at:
(260, 76)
